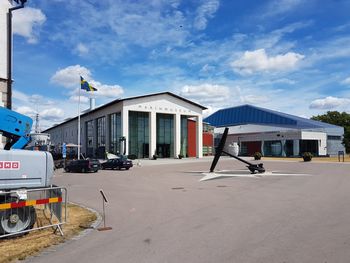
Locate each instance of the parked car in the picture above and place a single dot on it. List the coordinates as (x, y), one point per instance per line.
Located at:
(83, 166)
(117, 163)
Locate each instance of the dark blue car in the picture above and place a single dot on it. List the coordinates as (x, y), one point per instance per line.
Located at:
(117, 163)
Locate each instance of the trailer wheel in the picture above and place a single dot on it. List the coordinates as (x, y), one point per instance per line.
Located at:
(17, 219)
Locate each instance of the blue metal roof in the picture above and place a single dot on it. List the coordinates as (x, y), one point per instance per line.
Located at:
(248, 114)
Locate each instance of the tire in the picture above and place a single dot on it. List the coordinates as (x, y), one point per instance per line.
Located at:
(24, 218)
(67, 170)
(83, 170)
(127, 168)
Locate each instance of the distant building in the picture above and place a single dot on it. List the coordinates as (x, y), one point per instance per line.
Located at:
(162, 123)
(275, 133)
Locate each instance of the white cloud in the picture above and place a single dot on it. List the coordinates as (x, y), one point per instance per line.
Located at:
(206, 93)
(69, 77)
(52, 114)
(25, 110)
(26, 22)
(75, 98)
(329, 103)
(279, 7)
(82, 49)
(109, 91)
(257, 60)
(346, 81)
(204, 12)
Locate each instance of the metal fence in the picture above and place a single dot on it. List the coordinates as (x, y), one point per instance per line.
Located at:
(22, 211)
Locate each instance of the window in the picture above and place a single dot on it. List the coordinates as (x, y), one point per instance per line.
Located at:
(89, 137)
(115, 133)
(273, 148)
(101, 137)
(101, 131)
(139, 134)
(165, 135)
(333, 137)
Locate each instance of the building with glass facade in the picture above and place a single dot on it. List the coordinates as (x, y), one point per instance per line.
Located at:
(275, 133)
(143, 126)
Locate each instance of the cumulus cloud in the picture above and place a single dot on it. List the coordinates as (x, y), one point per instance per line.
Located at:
(258, 60)
(25, 110)
(52, 114)
(205, 12)
(69, 77)
(329, 103)
(26, 22)
(206, 93)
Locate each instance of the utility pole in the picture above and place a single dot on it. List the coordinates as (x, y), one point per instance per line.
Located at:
(20, 4)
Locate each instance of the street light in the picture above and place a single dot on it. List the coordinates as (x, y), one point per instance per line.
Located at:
(20, 4)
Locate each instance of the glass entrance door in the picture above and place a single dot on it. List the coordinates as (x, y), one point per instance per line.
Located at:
(165, 135)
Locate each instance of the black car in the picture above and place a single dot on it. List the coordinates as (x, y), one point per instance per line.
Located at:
(83, 166)
(117, 163)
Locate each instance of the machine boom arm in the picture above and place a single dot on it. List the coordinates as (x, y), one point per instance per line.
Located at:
(16, 127)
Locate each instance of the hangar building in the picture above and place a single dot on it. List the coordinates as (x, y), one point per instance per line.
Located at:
(275, 133)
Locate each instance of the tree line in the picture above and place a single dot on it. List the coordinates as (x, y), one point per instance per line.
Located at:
(339, 119)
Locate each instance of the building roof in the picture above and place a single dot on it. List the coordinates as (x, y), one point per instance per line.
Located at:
(248, 114)
(130, 98)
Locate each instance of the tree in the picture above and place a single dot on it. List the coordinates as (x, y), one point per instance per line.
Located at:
(339, 119)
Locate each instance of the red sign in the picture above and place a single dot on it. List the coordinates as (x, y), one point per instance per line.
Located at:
(9, 165)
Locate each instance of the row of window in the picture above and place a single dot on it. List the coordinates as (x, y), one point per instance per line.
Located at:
(138, 139)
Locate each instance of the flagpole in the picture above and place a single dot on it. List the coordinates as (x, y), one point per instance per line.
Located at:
(79, 126)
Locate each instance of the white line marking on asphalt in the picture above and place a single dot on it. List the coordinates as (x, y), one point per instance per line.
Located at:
(244, 173)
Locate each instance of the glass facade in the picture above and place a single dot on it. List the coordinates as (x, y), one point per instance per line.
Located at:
(101, 137)
(115, 133)
(89, 138)
(165, 135)
(272, 148)
(139, 134)
(184, 136)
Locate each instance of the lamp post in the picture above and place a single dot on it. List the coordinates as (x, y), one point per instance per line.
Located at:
(20, 4)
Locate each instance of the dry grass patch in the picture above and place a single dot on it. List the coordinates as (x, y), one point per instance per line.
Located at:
(19, 248)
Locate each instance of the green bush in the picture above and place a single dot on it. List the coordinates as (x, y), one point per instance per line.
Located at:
(307, 156)
(257, 156)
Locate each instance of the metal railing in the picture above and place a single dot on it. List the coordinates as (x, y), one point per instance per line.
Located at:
(26, 210)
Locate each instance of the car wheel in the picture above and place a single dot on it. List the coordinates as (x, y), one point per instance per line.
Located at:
(83, 170)
(127, 168)
(67, 170)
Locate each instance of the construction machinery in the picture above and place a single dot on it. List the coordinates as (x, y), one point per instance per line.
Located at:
(20, 170)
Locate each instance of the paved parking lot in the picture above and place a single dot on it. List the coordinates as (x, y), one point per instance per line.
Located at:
(160, 212)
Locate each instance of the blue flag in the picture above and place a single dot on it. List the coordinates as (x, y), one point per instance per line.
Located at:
(85, 85)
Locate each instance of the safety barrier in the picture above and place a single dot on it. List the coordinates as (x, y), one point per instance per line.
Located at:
(22, 211)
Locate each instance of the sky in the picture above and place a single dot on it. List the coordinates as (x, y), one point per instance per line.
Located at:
(291, 56)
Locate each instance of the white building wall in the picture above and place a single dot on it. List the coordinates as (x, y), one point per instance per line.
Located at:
(165, 104)
(320, 136)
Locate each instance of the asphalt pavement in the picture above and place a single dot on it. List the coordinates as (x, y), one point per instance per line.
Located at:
(159, 211)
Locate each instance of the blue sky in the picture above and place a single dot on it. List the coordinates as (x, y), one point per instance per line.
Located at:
(287, 55)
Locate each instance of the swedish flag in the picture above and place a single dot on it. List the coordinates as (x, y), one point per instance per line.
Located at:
(85, 85)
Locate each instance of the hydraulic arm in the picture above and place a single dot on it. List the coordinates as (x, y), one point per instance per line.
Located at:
(16, 127)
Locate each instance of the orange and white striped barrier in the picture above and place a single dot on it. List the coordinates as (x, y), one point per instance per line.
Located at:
(30, 203)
